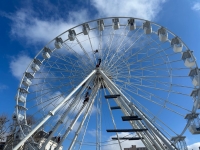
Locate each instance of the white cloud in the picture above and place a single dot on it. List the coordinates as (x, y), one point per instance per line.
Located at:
(35, 28)
(18, 65)
(113, 144)
(27, 25)
(194, 146)
(196, 6)
(138, 8)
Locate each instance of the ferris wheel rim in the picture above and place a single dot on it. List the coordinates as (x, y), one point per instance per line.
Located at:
(95, 29)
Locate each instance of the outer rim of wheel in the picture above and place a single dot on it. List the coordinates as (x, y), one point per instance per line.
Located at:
(143, 20)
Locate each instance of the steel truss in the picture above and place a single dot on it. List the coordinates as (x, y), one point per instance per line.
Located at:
(153, 138)
(137, 63)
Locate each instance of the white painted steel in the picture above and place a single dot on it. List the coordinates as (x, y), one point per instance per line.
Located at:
(51, 113)
(143, 61)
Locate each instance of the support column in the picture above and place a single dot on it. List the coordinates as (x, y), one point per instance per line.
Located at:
(128, 113)
(167, 142)
(82, 122)
(51, 113)
(77, 116)
(66, 113)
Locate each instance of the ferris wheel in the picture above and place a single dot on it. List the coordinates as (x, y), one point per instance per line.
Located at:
(104, 77)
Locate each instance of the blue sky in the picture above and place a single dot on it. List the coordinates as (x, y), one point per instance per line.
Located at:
(26, 26)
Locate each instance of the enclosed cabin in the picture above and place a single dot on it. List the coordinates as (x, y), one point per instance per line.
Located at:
(46, 53)
(35, 66)
(86, 28)
(18, 117)
(162, 34)
(58, 42)
(188, 59)
(21, 96)
(194, 75)
(27, 79)
(147, 27)
(196, 96)
(132, 24)
(180, 142)
(26, 128)
(177, 45)
(116, 24)
(21, 99)
(100, 24)
(71, 35)
(194, 127)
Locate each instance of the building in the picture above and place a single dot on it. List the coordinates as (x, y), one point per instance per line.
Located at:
(2, 144)
(39, 138)
(133, 147)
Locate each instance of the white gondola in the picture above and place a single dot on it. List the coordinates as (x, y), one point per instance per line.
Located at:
(194, 74)
(21, 107)
(20, 98)
(71, 35)
(116, 24)
(20, 117)
(194, 129)
(86, 29)
(188, 59)
(197, 103)
(180, 141)
(46, 53)
(163, 35)
(196, 96)
(132, 24)
(36, 65)
(100, 25)
(58, 42)
(177, 45)
(147, 27)
(23, 90)
(195, 81)
(26, 82)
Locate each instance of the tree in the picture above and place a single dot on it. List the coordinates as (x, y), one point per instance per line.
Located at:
(4, 127)
(30, 120)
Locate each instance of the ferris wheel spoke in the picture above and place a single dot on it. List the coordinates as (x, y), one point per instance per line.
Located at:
(85, 52)
(93, 51)
(161, 105)
(51, 88)
(148, 69)
(155, 88)
(144, 59)
(132, 44)
(136, 39)
(78, 56)
(154, 82)
(155, 118)
(109, 42)
(78, 65)
(163, 100)
(121, 38)
(100, 44)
